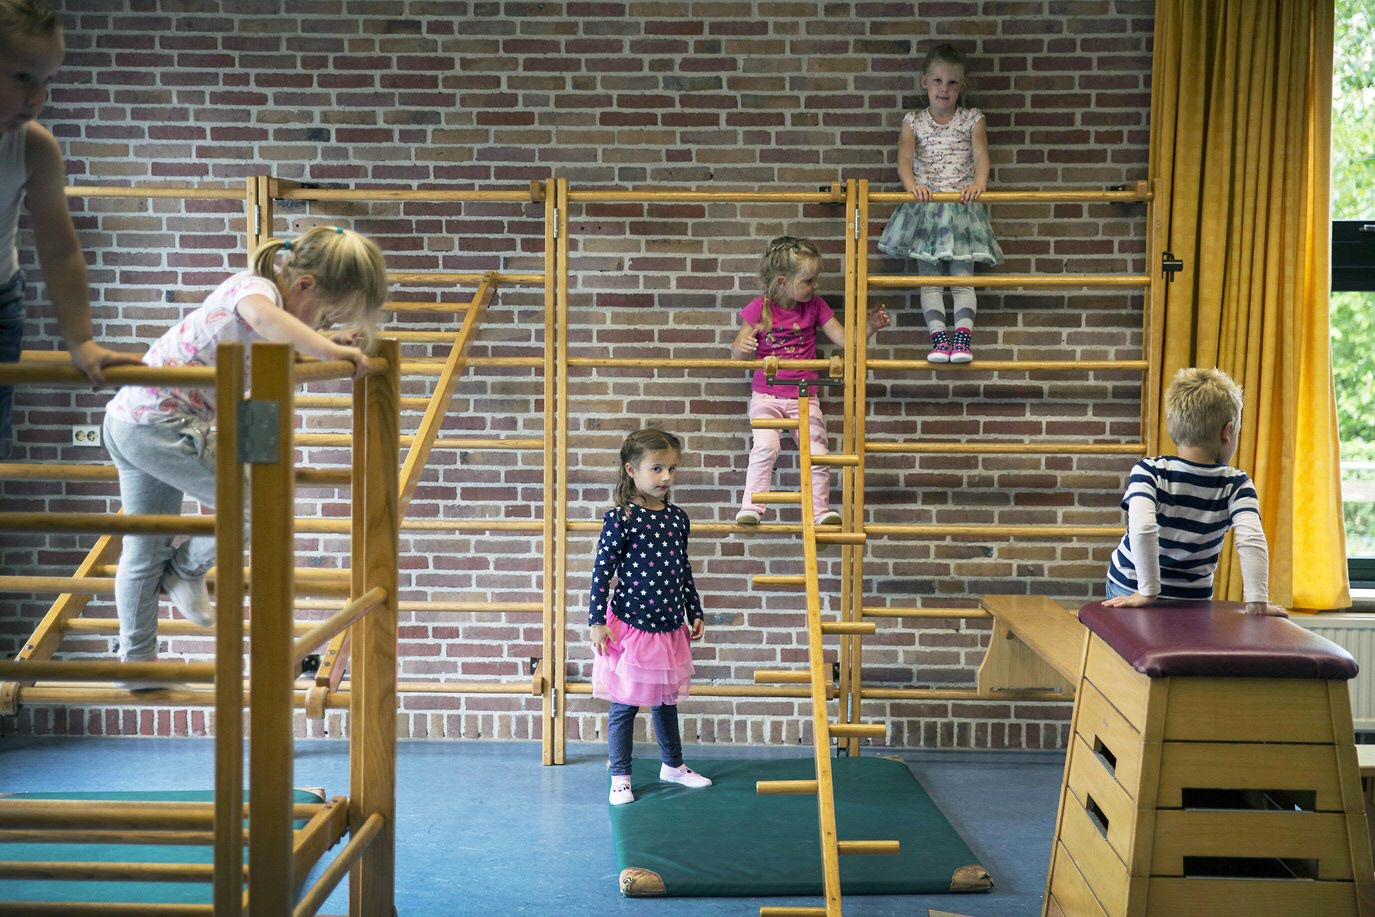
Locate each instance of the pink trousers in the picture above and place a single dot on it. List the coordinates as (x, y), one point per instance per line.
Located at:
(764, 452)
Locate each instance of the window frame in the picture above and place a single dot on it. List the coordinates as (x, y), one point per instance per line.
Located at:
(1353, 271)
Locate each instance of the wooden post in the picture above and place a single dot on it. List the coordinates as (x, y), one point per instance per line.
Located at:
(270, 707)
(372, 699)
(555, 643)
(229, 597)
(552, 744)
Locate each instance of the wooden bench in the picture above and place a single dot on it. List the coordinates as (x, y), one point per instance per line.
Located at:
(1036, 643)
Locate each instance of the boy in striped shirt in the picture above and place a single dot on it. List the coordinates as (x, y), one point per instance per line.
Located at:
(1179, 507)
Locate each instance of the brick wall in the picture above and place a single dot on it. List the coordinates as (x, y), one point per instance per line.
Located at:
(778, 96)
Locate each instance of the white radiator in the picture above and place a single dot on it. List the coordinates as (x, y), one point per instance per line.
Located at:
(1356, 634)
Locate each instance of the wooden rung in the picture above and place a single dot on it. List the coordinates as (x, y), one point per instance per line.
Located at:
(777, 496)
(858, 730)
(785, 787)
(774, 580)
(885, 611)
(837, 458)
(790, 677)
(841, 538)
(868, 848)
(777, 911)
(848, 627)
(774, 423)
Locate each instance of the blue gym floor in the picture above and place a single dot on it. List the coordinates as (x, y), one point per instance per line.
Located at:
(483, 828)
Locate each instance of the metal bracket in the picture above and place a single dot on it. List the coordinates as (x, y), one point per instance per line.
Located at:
(258, 442)
(1170, 265)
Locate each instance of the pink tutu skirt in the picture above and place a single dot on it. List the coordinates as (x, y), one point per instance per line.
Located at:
(640, 668)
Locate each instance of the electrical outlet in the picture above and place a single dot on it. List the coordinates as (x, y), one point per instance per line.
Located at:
(85, 436)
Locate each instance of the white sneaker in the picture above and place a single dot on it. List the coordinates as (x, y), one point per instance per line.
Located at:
(683, 776)
(148, 684)
(747, 517)
(190, 597)
(620, 791)
(830, 517)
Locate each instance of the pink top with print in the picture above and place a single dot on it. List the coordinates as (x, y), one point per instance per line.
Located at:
(944, 160)
(193, 343)
(792, 337)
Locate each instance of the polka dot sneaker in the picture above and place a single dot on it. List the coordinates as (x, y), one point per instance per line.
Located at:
(940, 348)
(959, 347)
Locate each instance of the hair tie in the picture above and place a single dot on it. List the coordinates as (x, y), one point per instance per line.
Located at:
(339, 230)
(286, 246)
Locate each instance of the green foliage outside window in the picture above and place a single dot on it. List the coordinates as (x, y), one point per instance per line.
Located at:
(1353, 314)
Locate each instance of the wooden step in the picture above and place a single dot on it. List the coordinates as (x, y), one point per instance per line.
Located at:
(785, 787)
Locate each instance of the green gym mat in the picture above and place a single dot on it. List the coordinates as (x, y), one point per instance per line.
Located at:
(13, 890)
(728, 841)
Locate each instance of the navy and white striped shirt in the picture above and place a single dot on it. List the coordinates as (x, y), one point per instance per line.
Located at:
(1194, 505)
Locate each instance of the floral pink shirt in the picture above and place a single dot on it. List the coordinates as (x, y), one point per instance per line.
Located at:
(193, 343)
(944, 160)
(792, 336)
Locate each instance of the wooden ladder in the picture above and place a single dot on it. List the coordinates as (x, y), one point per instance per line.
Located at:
(816, 675)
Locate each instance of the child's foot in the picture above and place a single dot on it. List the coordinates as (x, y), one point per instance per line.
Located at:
(959, 347)
(683, 776)
(747, 517)
(830, 517)
(147, 684)
(940, 348)
(620, 791)
(190, 597)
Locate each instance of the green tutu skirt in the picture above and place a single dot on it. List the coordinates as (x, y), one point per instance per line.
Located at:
(941, 232)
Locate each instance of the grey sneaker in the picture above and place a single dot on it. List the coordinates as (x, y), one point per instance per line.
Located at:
(190, 597)
(747, 517)
(830, 517)
(138, 684)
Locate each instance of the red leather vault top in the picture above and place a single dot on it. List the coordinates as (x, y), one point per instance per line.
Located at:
(1215, 640)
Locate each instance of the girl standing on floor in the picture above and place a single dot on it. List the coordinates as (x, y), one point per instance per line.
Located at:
(782, 323)
(162, 439)
(944, 148)
(641, 626)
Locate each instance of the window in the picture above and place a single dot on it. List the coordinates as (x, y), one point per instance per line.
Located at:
(1353, 277)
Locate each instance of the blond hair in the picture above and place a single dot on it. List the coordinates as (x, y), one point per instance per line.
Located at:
(28, 17)
(954, 57)
(636, 446)
(1199, 403)
(347, 267)
(786, 257)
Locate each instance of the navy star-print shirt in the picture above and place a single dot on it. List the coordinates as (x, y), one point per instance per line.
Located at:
(647, 554)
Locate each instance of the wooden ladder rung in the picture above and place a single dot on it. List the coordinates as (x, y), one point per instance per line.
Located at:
(777, 676)
(858, 730)
(777, 911)
(841, 537)
(847, 459)
(868, 848)
(774, 423)
(848, 627)
(777, 496)
(776, 580)
(785, 787)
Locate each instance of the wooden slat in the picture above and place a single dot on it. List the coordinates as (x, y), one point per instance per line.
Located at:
(1050, 631)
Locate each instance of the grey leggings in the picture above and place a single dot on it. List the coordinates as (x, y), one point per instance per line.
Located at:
(158, 464)
(933, 298)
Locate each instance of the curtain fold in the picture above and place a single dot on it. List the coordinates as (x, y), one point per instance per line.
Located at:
(1240, 136)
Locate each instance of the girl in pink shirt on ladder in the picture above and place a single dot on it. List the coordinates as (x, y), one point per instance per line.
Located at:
(783, 323)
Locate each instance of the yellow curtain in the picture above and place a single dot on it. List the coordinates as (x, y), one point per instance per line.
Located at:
(1240, 123)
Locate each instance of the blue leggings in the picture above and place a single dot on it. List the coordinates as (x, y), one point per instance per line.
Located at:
(620, 734)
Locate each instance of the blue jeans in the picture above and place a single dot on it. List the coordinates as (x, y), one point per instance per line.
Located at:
(158, 464)
(11, 343)
(1115, 591)
(620, 733)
